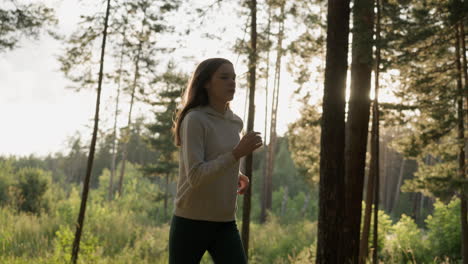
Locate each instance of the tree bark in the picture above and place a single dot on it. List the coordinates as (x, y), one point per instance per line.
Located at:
(463, 202)
(250, 122)
(464, 66)
(388, 180)
(357, 125)
(416, 206)
(364, 244)
(331, 192)
(84, 197)
(373, 191)
(377, 135)
(375, 251)
(265, 167)
(461, 156)
(398, 186)
(383, 192)
(166, 193)
(421, 209)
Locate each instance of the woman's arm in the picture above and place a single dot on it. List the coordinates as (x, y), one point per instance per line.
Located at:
(243, 183)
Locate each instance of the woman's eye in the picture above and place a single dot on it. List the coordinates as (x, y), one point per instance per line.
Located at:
(227, 78)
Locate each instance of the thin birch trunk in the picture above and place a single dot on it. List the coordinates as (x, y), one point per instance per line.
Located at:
(250, 123)
(274, 114)
(129, 122)
(84, 197)
(114, 131)
(264, 174)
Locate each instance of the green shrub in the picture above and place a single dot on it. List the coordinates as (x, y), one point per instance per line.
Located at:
(152, 244)
(275, 243)
(89, 249)
(32, 185)
(306, 256)
(115, 228)
(67, 209)
(25, 234)
(444, 230)
(6, 180)
(384, 228)
(406, 244)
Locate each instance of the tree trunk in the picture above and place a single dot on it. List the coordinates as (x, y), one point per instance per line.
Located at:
(421, 209)
(246, 104)
(274, 114)
(166, 193)
(250, 122)
(373, 191)
(114, 143)
(416, 206)
(364, 244)
(377, 135)
(461, 156)
(465, 69)
(464, 203)
(114, 131)
(388, 182)
(357, 125)
(126, 137)
(383, 192)
(375, 250)
(84, 197)
(396, 197)
(264, 177)
(331, 192)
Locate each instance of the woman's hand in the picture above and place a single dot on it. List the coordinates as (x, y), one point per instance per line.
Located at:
(250, 142)
(243, 184)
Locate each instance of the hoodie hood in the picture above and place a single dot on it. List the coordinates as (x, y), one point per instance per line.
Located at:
(209, 110)
(228, 115)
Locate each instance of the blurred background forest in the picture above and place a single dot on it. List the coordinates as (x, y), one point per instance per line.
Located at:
(152, 47)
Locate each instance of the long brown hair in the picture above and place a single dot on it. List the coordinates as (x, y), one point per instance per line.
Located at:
(195, 94)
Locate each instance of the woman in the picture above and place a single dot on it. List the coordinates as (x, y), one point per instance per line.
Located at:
(208, 134)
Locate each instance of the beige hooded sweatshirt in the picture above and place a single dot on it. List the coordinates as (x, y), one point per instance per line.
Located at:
(208, 172)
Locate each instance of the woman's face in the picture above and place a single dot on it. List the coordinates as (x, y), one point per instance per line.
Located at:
(222, 86)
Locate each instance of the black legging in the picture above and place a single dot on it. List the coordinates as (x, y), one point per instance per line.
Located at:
(190, 239)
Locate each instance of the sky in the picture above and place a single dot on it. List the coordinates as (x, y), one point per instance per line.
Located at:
(39, 115)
